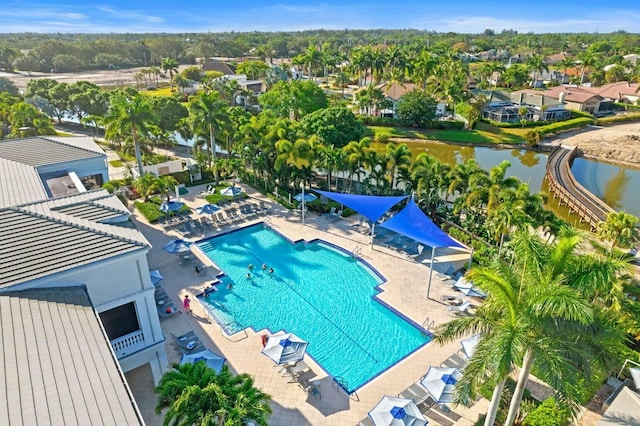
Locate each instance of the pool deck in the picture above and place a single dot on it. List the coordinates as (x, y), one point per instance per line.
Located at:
(405, 290)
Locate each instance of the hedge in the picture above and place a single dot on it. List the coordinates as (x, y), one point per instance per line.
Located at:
(396, 122)
(516, 124)
(549, 413)
(581, 114)
(562, 126)
(618, 119)
(149, 210)
(628, 107)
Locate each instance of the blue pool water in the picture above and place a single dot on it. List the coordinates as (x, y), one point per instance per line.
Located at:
(318, 292)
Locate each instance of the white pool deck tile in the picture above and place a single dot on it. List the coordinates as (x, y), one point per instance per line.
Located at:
(405, 290)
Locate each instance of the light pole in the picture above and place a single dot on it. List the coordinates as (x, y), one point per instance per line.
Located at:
(302, 186)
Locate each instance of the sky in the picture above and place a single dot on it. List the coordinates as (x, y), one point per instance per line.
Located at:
(462, 16)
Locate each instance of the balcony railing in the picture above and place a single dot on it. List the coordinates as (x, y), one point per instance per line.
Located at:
(128, 344)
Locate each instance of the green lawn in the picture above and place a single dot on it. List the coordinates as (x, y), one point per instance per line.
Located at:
(162, 91)
(483, 133)
(116, 163)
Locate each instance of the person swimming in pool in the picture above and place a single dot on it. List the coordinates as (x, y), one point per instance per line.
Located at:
(250, 267)
(271, 270)
(264, 266)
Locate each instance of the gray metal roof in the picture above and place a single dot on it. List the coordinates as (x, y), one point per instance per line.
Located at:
(41, 151)
(84, 142)
(19, 183)
(58, 364)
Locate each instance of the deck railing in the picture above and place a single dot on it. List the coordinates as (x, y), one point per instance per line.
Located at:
(128, 344)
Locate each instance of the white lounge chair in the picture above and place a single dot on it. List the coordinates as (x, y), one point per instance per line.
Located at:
(331, 212)
(419, 253)
(460, 308)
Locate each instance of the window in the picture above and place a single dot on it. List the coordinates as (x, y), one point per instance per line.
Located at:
(120, 321)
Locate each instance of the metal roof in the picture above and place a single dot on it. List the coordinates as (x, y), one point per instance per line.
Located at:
(19, 183)
(58, 364)
(40, 151)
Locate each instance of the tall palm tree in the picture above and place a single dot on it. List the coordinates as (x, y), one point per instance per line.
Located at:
(398, 157)
(130, 113)
(170, 65)
(357, 153)
(196, 394)
(537, 65)
(164, 184)
(206, 113)
(619, 228)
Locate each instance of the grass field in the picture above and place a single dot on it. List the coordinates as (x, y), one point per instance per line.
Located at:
(163, 91)
(483, 133)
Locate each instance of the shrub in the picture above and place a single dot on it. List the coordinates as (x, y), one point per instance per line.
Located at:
(549, 413)
(563, 126)
(149, 210)
(618, 119)
(516, 125)
(382, 138)
(581, 114)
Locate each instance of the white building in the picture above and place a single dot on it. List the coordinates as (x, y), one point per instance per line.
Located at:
(77, 307)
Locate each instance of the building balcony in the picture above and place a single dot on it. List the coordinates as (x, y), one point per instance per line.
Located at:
(128, 344)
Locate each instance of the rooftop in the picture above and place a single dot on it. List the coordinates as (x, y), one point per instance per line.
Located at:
(57, 362)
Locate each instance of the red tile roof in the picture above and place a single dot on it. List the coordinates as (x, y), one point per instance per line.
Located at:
(616, 90)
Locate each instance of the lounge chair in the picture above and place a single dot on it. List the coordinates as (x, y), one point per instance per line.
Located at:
(312, 387)
(332, 212)
(366, 422)
(210, 190)
(188, 343)
(419, 253)
(460, 308)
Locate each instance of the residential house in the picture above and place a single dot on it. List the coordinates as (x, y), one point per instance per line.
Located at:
(538, 107)
(622, 91)
(216, 65)
(556, 58)
(76, 301)
(576, 98)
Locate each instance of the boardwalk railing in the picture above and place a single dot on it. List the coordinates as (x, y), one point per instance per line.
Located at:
(563, 185)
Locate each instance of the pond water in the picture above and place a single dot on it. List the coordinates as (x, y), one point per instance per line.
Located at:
(612, 183)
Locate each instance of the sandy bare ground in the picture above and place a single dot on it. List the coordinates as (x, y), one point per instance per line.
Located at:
(618, 144)
(123, 77)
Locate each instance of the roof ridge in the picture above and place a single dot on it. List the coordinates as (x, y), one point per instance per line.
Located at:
(77, 225)
(59, 142)
(45, 200)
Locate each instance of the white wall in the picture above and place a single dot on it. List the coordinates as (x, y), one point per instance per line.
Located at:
(85, 167)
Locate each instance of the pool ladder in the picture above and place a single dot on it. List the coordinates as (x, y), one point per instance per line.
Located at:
(427, 326)
(356, 252)
(267, 221)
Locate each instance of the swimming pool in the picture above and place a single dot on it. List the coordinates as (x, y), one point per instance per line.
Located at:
(318, 292)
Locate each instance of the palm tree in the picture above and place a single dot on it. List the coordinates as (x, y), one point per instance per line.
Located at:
(171, 66)
(398, 157)
(164, 184)
(619, 228)
(196, 394)
(357, 153)
(207, 112)
(537, 64)
(132, 113)
(145, 185)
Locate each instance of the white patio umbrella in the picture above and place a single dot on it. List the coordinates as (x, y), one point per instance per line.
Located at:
(212, 359)
(440, 381)
(308, 197)
(231, 191)
(392, 411)
(469, 345)
(285, 348)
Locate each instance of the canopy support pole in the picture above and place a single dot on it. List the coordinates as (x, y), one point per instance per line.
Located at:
(433, 252)
(470, 259)
(373, 230)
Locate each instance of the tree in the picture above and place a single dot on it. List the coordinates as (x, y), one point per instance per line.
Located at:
(357, 153)
(66, 62)
(398, 158)
(335, 126)
(146, 185)
(294, 98)
(7, 86)
(170, 65)
(619, 228)
(192, 73)
(252, 69)
(515, 76)
(537, 65)
(196, 394)
(27, 120)
(206, 114)
(164, 184)
(417, 108)
(7, 56)
(27, 63)
(129, 112)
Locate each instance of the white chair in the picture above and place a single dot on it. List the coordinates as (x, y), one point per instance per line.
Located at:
(419, 253)
(460, 308)
(332, 211)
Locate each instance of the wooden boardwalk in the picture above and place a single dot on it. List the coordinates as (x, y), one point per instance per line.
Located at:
(563, 185)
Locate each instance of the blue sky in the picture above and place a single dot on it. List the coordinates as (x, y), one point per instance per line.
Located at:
(92, 16)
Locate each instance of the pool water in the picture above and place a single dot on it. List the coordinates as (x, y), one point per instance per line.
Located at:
(316, 291)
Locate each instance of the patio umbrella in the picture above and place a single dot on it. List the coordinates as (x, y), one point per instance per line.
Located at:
(440, 381)
(468, 289)
(155, 276)
(469, 345)
(177, 246)
(285, 348)
(207, 209)
(212, 359)
(308, 197)
(392, 411)
(231, 191)
(171, 206)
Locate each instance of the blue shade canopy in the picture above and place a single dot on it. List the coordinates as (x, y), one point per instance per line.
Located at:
(392, 411)
(171, 206)
(440, 382)
(373, 207)
(177, 246)
(285, 348)
(207, 209)
(212, 359)
(155, 276)
(413, 223)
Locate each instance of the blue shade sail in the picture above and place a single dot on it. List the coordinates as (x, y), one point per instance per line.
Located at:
(373, 207)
